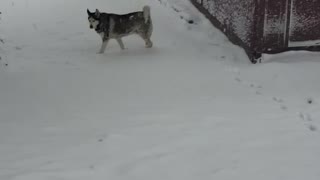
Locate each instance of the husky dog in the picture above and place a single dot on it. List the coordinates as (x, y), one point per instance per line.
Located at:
(114, 26)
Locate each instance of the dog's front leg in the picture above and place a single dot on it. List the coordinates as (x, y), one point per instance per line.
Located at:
(120, 42)
(103, 46)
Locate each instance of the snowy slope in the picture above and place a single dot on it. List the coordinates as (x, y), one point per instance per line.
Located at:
(192, 107)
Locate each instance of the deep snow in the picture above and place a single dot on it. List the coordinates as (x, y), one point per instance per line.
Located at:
(192, 107)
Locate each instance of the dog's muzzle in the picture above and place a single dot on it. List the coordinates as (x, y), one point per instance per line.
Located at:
(91, 27)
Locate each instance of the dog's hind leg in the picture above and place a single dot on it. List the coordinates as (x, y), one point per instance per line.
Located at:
(120, 42)
(103, 46)
(149, 43)
(148, 35)
(147, 40)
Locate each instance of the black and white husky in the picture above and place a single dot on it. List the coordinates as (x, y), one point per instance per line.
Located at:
(114, 26)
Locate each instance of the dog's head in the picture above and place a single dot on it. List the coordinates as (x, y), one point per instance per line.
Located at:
(93, 18)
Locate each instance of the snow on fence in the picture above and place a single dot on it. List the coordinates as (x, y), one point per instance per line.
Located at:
(266, 26)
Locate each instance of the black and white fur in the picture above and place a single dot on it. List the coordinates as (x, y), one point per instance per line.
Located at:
(114, 26)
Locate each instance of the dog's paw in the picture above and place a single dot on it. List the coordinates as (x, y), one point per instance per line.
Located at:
(149, 45)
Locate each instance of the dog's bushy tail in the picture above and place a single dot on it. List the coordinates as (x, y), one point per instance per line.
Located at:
(147, 13)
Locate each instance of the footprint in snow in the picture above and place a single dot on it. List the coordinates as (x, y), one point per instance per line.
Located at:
(257, 88)
(3, 63)
(283, 107)
(310, 100)
(238, 79)
(305, 117)
(308, 121)
(222, 58)
(103, 137)
(312, 127)
(280, 101)
(18, 48)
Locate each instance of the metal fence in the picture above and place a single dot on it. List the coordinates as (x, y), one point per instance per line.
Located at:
(266, 26)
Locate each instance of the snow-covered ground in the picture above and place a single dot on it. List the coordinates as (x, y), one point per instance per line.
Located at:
(192, 107)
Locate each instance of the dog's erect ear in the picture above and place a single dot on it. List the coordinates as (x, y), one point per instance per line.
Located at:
(89, 13)
(97, 14)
